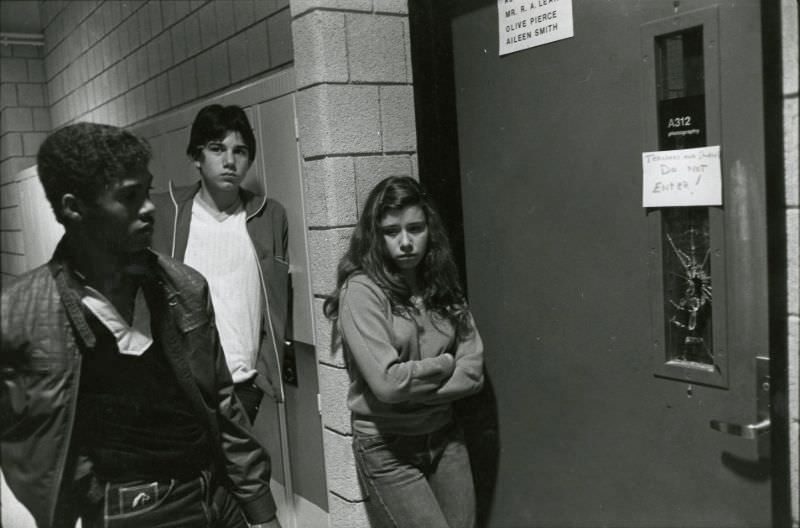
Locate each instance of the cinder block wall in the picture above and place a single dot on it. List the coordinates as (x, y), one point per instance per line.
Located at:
(356, 119)
(24, 123)
(123, 62)
(789, 34)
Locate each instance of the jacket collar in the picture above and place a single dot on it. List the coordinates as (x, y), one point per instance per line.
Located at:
(163, 291)
(61, 263)
(253, 203)
(186, 313)
(67, 285)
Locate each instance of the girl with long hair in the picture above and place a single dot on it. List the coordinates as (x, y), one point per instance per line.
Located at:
(411, 349)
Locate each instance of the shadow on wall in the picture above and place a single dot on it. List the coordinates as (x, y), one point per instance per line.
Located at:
(478, 416)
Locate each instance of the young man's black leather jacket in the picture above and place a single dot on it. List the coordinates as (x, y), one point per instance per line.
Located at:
(43, 330)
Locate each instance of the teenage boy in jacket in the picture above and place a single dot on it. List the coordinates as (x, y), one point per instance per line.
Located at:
(116, 406)
(238, 241)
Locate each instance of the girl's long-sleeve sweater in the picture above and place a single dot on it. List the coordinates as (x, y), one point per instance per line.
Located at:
(405, 370)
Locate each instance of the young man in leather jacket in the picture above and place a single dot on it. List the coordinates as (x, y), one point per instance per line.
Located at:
(116, 405)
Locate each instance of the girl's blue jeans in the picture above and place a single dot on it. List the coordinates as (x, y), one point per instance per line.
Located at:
(417, 481)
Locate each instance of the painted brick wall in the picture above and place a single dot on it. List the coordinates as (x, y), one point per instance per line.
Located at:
(356, 120)
(122, 62)
(24, 123)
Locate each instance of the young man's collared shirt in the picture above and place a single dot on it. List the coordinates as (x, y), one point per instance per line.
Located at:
(132, 339)
(132, 419)
(220, 248)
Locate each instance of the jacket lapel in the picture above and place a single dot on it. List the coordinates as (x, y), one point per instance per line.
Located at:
(183, 197)
(163, 304)
(69, 297)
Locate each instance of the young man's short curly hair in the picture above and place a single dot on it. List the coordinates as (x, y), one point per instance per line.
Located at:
(84, 158)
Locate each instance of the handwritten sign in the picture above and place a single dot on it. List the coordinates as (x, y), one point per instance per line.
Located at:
(528, 23)
(679, 178)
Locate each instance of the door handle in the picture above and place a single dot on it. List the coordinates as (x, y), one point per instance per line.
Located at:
(754, 430)
(749, 431)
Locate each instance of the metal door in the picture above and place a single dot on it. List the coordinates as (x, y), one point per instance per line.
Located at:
(597, 424)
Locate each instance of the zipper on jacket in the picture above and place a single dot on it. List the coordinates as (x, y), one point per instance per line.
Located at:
(257, 210)
(261, 277)
(269, 321)
(174, 220)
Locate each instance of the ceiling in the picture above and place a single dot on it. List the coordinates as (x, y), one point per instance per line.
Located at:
(20, 16)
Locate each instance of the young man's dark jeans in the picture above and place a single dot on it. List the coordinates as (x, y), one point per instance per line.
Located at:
(189, 503)
(421, 481)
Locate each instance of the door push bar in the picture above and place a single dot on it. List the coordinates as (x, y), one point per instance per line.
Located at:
(749, 431)
(752, 431)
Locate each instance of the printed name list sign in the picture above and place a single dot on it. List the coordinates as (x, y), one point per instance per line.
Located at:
(529, 23)
(680, 178)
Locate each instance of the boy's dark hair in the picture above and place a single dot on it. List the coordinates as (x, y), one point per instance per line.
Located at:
(213, 123)
(83, 158)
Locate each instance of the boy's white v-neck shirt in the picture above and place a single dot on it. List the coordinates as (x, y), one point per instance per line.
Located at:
(220, 248)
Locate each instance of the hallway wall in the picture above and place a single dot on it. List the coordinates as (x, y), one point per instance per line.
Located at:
(24, 123)
(123, 62)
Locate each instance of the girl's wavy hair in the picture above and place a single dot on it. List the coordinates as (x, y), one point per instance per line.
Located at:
(367, 254)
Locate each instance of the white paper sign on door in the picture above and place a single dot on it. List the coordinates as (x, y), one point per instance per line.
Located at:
(528, 23)
(680, 178)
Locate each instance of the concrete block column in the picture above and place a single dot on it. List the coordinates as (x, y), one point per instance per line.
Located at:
(355, 113)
